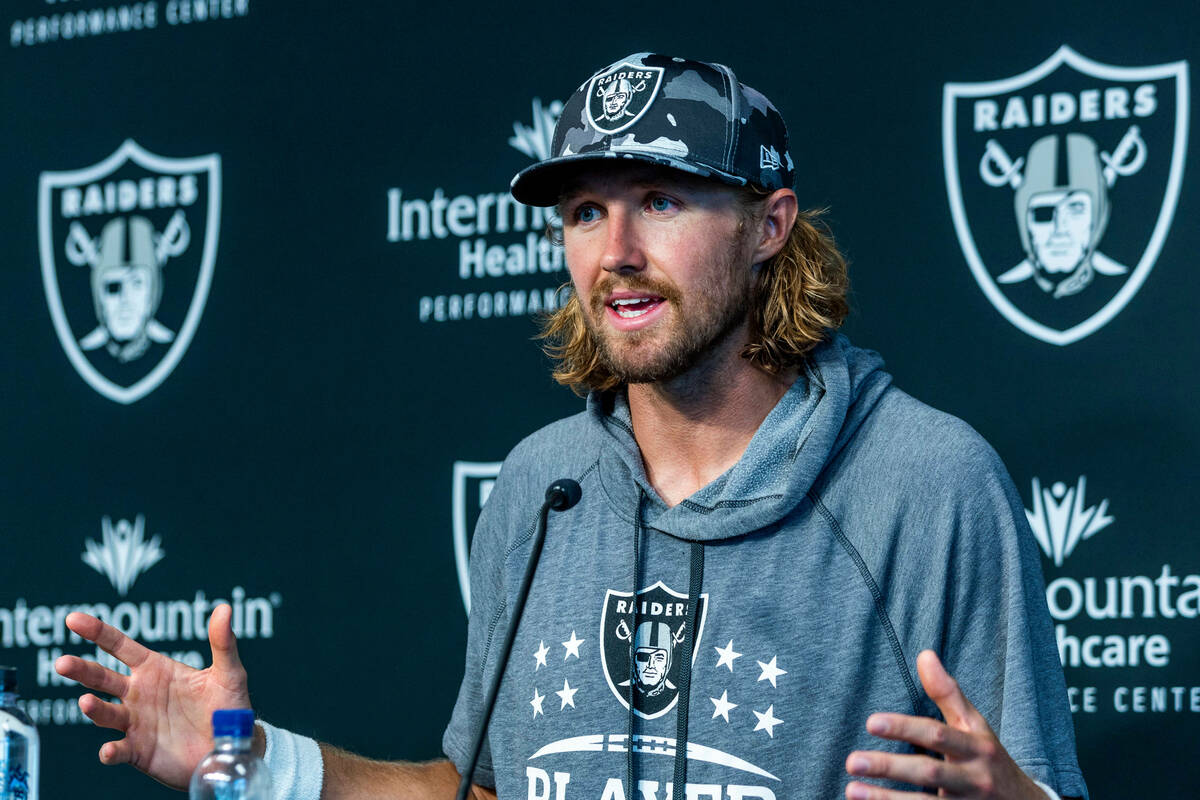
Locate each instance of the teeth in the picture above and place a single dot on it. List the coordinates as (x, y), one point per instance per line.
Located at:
(630, 307)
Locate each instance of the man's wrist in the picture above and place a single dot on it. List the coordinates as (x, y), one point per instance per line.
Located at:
(258, 744)
(295, 762)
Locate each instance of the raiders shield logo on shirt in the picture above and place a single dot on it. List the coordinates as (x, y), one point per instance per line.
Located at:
(127, 249)
(1062, 183)
(619, 97)
(654, 643)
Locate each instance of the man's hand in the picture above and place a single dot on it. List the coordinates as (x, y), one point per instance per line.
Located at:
(165, 708)
(976, 765)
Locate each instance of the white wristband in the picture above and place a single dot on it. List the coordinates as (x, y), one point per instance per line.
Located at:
(295, 762)
(1053, 795)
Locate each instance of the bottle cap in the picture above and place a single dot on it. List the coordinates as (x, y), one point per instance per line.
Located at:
(8, 679)
(237, 722)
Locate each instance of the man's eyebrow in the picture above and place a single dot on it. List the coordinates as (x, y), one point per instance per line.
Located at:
(650, 181)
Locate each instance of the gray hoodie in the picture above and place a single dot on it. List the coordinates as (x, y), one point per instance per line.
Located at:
(859, 527)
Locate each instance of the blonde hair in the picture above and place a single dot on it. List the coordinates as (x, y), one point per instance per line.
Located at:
(799, 299)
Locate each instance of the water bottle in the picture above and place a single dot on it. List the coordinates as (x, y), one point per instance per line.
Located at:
(19, 748)
(231, 771)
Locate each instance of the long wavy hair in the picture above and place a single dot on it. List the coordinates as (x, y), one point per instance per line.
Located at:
(799, 300)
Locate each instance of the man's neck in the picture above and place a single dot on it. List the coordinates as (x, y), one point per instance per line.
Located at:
(693, 428)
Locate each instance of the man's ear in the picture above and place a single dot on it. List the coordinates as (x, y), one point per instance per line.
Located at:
(779, 215)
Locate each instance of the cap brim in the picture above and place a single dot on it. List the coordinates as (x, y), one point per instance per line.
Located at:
(541, 184)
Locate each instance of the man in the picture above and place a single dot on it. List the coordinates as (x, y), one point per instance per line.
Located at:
(748, 479)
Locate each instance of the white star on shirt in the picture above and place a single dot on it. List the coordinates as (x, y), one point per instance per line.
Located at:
(723, 706)
(567, 695)
(770, 672)
(540, 655)
(536, 702)
(727, 656)
(572, 646)
(767, 721)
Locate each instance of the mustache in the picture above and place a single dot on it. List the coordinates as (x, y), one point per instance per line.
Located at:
(633, 283)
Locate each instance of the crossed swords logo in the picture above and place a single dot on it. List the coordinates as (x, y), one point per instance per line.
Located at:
(997, 168)
(83, 250)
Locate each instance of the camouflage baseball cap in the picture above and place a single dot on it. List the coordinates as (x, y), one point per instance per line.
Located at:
(689, 115)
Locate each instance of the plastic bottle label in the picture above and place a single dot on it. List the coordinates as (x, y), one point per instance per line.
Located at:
(16, 783)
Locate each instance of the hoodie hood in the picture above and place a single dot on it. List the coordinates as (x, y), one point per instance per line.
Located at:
(806, 430)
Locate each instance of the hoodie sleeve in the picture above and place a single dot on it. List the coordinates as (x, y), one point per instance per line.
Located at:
(998, 641)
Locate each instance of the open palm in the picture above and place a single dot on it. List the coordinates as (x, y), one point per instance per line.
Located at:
(163, 707)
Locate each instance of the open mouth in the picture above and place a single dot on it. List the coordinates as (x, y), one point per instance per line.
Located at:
(633, 307)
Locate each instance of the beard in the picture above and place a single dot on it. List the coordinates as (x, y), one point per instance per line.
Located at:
(695, 327)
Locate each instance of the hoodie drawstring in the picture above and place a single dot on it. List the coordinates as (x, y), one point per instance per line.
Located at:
(637, 579)
(683, 700)
(695, 581)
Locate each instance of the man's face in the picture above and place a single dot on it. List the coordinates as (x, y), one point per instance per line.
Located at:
(651, 665)
(125, 294)
(1060, 229)
(660, 266)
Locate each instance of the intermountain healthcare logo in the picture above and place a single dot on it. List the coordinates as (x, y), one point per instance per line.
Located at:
(1116, 635)
(33, 631)
(1060, 520)
(123, 553)
(470, 487)
(138, 235)
(1062, 184)
(506, 265)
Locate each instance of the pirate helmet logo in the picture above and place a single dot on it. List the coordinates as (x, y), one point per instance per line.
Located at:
(1076, 210)
(621, 95)
(643, 662)
(653, 646)
(138, 234)
(126, 279)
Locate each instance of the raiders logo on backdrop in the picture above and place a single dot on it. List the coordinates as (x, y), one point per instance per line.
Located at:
(1062, 183)
(656, 646)
(471, 485)
(127, 249)
(618, 98)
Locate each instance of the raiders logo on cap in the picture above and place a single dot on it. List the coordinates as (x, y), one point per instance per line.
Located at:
(619, 97)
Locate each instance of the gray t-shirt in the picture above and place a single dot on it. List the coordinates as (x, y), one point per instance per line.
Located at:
(859, 528)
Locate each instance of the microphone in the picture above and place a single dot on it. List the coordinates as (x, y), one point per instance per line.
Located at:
(564, 493)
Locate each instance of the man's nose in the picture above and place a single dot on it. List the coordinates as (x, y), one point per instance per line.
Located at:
(622, 246)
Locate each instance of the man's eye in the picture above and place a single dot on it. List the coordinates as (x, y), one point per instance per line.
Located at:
(586, 214)
(660, 203)
(1042, 214)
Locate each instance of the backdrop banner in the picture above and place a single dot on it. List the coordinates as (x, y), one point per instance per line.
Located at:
(299, 401)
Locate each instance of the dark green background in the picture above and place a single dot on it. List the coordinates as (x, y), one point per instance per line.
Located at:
(305, 442)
